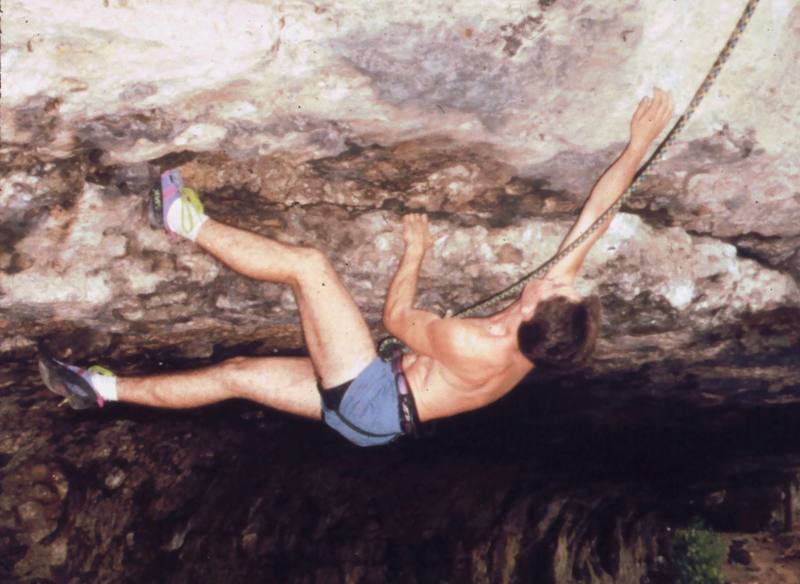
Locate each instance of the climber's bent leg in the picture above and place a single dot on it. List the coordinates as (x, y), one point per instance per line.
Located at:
(337, 338)
(287, 384)
(251, 255)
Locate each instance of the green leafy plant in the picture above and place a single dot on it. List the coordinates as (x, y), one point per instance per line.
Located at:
(697, 555)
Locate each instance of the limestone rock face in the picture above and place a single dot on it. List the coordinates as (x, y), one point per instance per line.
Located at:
(322, 123)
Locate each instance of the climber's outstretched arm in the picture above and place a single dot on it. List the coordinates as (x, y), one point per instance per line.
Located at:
(410, 325)
(648, 121)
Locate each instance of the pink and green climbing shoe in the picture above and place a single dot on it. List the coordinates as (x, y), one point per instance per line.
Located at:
(161, 201)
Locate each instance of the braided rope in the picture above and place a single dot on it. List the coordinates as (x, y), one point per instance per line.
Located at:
(515, 288)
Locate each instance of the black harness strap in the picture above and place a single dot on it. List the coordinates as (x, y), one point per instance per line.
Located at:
(409, 419)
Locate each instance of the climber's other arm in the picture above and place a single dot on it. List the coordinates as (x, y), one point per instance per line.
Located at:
(400, 317)
(649, 119)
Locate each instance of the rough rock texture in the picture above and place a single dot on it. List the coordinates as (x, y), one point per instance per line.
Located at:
(322, 123)
(193, 498)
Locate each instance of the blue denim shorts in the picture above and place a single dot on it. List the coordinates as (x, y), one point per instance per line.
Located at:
(369, 411)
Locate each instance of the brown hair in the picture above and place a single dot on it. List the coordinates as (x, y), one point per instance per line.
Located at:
(562, 332)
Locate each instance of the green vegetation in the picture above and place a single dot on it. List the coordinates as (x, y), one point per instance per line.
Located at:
(697, 555)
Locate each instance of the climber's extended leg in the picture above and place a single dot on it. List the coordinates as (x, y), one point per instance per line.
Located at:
(284, 383)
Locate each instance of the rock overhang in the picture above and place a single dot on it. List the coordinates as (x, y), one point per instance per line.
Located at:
(322, 124)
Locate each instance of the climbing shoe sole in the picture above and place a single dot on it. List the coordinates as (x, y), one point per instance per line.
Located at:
(61, 380)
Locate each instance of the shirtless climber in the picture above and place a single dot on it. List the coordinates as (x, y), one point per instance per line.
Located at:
(454, 365)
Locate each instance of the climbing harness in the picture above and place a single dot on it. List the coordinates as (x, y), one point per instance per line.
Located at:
(390, 344)
(409, 420)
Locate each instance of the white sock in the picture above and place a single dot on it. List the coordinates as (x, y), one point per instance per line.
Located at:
(105, 385)
(180, 215)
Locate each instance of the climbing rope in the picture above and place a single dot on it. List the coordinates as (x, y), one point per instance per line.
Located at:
(390, 344)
